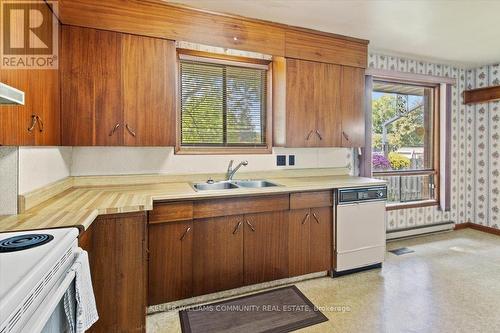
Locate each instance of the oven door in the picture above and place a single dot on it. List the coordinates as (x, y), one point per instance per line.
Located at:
(51, 316)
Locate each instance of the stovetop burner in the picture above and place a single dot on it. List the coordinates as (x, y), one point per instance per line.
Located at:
(24, 242)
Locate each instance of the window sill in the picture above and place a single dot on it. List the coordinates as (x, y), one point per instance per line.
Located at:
(221, 150)
(413, 204)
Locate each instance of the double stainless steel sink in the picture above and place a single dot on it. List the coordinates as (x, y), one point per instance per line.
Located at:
(232, 184)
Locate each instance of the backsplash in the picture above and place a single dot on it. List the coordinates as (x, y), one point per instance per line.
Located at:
(8, 180)
(40, 166)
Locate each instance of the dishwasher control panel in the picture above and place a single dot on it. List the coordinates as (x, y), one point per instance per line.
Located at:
(351, 195)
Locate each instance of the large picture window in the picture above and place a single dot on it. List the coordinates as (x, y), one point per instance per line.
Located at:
(223, 104)
(404, 140)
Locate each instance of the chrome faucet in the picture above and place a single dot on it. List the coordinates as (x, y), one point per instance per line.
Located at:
(230, 171)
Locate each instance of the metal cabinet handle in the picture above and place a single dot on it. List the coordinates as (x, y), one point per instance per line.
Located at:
(345, 136)
(250, 225)
(309, 135)
(305, 218)
(316, 218)
(114, 129)
(130, 130)
(185, 233)
(34, 120)
(40, 123)
(319, 135)
(237, 227)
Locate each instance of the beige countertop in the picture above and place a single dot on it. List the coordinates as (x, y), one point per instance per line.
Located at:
(78, 206)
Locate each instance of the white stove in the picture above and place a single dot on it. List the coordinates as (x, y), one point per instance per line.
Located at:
(28, 275)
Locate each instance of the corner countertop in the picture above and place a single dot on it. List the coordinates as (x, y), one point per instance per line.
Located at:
(78, 206)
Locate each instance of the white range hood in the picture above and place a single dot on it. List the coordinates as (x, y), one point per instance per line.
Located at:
(9, 95)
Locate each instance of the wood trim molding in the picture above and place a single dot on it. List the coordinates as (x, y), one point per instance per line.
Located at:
(270, 23)
(415, 204)
(482, 95)
(384, 74)
(478, 227)
(461, 226)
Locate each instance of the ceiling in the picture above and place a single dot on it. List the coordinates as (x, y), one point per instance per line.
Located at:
(461, 32)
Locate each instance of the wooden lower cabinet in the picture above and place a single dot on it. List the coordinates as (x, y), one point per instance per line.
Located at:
(265, 247)
(211, 253)
(321, 231)
(310, 240)
(117, 254)
(217, 254)
(170, 261)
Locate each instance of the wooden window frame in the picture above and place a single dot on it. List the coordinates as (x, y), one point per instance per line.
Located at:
(208, 150)
(435, 170)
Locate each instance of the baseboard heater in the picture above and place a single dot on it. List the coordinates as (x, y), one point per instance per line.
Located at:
(420, 230)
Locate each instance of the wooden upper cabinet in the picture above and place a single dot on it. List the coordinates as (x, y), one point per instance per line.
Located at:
(149, 92)
(118, 89)
(325, 48)
(312, 104)
(91, 94)
(41, 88)
(352, 106)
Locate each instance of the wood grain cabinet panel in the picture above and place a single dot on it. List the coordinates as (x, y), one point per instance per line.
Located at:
(328, 49)
(41, 88)
(117, 254)
(312, 104)
(118, 89)
(352, 106)
(310, 246)
(170, 261)
(149, 94)
(217, 254)
(91, 97)
(299, 241)
(321, 233)
(265, 248)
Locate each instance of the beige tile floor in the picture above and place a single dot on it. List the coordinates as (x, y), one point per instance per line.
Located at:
(450, 284)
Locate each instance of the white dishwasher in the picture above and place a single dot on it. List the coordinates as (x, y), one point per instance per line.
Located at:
(360, 229)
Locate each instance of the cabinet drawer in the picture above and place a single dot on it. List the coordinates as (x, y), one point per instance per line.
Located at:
(311, 199)
(171, 211)
(246, 205)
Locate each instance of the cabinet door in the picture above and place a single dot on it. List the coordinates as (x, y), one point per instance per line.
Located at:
(265, 249)
(321, 249)
(299, 241)
(149, 91)
(327, 97)
(218, 254)
(352, 106)
(301, 106)
(170, 261)
(91, 94)
(117, 255)
(41, 89)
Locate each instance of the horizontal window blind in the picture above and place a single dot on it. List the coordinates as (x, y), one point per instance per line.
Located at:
(222, 105)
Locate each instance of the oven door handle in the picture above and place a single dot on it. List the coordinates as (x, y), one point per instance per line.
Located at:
(36, 324)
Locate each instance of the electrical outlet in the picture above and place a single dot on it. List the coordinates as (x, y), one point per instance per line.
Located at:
(291, 159)
(280, 160)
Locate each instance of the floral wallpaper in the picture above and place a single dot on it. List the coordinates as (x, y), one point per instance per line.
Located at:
(483, 151)
(414, 217)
